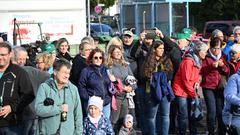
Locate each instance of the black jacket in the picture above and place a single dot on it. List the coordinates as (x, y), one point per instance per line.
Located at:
(17, 91)
(79, 63)
(140, 52)
(66, 56)
(174, 52)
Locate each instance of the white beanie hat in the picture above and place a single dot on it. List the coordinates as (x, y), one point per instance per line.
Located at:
(128, 118)
(96, 101)
(236, 48)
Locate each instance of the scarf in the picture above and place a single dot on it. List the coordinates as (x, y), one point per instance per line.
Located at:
(214, 56)
(94, 120)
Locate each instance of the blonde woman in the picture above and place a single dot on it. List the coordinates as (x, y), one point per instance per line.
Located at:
(44, 62)
(114, 41)
(118, 67)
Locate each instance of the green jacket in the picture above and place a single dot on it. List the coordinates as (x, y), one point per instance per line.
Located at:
(49, 116)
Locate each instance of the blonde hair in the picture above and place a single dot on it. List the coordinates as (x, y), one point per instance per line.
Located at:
(47, 60)
(114, 41)
(109, 63)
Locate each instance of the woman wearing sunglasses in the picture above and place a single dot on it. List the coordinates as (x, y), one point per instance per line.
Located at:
(94, 81)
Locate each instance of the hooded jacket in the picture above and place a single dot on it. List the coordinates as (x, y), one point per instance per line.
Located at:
(49, 116)
(187, 75)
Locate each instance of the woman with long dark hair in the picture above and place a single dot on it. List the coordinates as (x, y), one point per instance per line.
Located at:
(158, 69)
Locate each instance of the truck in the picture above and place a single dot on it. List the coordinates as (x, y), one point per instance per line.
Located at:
(32, 19)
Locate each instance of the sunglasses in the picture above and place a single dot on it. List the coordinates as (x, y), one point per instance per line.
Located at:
(100, 58)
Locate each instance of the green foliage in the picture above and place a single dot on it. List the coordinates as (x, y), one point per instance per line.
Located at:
(107, 3)
(209, 10)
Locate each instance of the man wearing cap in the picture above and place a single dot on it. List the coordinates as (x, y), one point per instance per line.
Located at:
(127, 46)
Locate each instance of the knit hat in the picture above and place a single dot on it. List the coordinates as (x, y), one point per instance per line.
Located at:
(96, 101)
(49, 48)
(236, 48)
(128, 118)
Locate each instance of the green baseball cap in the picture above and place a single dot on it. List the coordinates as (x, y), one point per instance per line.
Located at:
(49, 48)
(183, 36)
(186, 31)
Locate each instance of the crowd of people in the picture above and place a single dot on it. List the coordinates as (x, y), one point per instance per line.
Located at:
(150, 85)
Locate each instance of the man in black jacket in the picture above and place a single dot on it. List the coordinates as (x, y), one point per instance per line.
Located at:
(16, 93)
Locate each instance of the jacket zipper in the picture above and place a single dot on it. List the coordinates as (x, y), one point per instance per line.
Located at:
(12, 89)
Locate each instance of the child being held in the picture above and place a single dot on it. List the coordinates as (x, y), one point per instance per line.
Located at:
(127, 128)
(96, 123)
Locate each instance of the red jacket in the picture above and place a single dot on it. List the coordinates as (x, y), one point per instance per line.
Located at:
(185, 78)
(233, 66)
(211, 75)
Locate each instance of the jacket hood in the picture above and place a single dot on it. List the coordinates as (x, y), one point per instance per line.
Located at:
(196, 59)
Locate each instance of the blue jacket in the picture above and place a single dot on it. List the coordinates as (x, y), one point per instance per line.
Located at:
(94, 81)
(160, 86)
(104, 127)
(227, 50)
(232, 97)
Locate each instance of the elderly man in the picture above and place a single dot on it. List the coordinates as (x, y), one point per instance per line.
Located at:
(16, 93)
(21, 57)
(58, 103)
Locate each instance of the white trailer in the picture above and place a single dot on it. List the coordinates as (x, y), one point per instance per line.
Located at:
(58, 18)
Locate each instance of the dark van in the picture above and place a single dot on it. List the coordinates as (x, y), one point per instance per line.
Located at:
(225, 26)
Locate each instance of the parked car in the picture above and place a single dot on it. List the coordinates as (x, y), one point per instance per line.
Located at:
(98, 29)
(225, 26)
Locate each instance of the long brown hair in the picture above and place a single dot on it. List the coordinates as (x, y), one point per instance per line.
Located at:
(151, 63)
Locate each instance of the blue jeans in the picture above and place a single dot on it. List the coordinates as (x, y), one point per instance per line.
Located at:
(164, 110)
(183, 116)
(11, 130)
(140, 108)
(214, 101)
(107, 110)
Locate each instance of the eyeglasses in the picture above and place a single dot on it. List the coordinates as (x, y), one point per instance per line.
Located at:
(100, 58)
(39, 62)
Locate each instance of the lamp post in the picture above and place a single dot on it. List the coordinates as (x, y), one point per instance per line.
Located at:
(88, 1)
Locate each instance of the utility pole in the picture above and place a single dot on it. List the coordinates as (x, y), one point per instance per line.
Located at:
(89, 15)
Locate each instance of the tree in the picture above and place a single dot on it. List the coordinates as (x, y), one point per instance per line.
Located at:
(107, 3)
(209, 10)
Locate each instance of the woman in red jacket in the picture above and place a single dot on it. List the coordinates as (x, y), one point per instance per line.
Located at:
(186, 79)
(213, 68)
